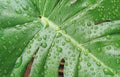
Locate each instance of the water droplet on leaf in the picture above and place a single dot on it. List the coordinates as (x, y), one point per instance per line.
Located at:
(108, 72)
(108, 37)
(46, 25)
(28, 51)
(39, 39)
(18, 62)
(12, 75)
(4, 47)
(18, 11)
(118, 61)
(44, 45)
(58, 35)
(45, 37)
(59, 49)
(88, 64)
(25, 7)
(98, 63)
(67, 39)
(108, 48)
(63, 43)
(58, 28)
(73, 1)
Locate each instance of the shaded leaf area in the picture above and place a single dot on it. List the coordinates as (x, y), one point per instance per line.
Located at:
(83, 33)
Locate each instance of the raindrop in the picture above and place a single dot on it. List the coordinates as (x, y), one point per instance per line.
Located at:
(16, 37)
(44, 45)
(58, 35)
(18, 27)
(118, 61)
(79, 67)
(4, 47)
(29, 46)
(16, 1)
(116, 44)
(46, 25)
(65, 32)
(92, 69)
(99, 49)
(28, 51)
(5, 71)
(24, 43)
(108, 48)
(8, 2)
(20, 49)
(67, 39)
(80, 59)
(36, 36)
(89, 32)
(23, 32)
(57, 41)
(73, 1)
(108, 72)
(8, 23)
(9, 51)
(89, 24)
(88, 64)
(4, 7)
(39, 39)
(18, 62)
(13, 47)
(58, 28)
(98, 63)
(53, 44)
(2, 38)
(63, 43)
(96, 27)
(86, 52)
(108, 37)
(12, 75)
(18, 11)
(59, 49)
(45, 37)
(25, 7)
(79, 49)
(10, 42)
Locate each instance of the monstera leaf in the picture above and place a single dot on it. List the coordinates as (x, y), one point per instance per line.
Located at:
(81, 35)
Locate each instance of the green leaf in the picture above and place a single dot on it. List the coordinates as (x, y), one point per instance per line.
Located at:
(85, 33)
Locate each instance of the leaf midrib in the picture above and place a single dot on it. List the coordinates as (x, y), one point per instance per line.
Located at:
(54, 26)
